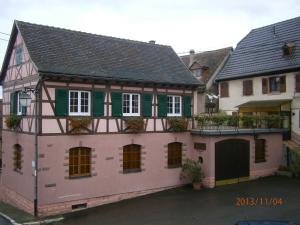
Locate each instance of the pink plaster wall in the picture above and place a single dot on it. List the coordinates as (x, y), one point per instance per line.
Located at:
(109, 178)
(22, 183)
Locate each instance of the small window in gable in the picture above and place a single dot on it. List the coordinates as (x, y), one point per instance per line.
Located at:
(198, 72)
(19, 55)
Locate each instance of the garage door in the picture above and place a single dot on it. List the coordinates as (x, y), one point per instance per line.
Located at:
(231, 161)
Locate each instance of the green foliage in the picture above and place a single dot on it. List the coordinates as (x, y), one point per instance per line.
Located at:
(134, 124)
(192, 169)
(177, 124)
(248, 121)
(273, 121)
(233, 121)
(295, 162)
(13, 121)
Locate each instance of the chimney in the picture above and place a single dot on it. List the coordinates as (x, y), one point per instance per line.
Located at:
(192, 53)
(152, 42)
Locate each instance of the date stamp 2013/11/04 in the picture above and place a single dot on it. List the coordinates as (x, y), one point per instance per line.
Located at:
(259, 201)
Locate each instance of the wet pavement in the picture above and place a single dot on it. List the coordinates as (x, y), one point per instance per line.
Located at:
(276, 198)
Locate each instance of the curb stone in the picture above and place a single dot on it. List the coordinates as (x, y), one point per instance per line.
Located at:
(9, 219)
(48, 221)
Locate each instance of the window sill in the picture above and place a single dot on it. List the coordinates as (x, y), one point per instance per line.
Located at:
(174, 115)
(74, 115)
(74, 177)
(132, 171)
(260, 161)
(126, 114)
(174, 166)
(18, 171)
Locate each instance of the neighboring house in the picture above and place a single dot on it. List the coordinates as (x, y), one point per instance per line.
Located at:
(98, 127)
(262, 75)
(205, 66)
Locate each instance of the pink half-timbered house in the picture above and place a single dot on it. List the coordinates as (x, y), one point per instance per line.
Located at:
(97, 129)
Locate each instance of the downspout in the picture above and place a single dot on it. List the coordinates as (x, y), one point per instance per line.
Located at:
(36, 151)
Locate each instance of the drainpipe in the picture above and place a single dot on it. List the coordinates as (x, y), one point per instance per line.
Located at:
(36, 154)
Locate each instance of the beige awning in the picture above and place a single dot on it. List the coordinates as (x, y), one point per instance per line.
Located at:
(265, 103)
(292, 145)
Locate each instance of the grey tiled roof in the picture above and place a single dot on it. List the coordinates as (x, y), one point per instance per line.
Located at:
(211, 59)
(260, 52)
(61, 51)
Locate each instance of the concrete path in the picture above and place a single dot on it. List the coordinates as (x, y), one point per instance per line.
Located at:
(276, 198)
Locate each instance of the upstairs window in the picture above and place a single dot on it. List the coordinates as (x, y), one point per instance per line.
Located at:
(274, 84)
(19, 55)
(131, 104)
(247, 87)
(224, 89)
(79, 103)
(174, 105)
(21, 110)
(79, 162)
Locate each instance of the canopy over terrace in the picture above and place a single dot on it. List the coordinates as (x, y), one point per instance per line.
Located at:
(265, 106)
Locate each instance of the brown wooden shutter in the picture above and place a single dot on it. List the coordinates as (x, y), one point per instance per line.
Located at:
(282, 84)
(264, 85)
(297, 78)
(224, 89)
(247, 87)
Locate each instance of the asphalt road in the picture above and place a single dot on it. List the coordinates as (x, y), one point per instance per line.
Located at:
(275, 198)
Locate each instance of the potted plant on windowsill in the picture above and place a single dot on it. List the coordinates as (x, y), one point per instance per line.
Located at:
(192, 169)
(79, 123)
(13, 121)
(134, 124)
(177, 124)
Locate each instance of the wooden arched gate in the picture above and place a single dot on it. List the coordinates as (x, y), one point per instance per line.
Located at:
(231, 161)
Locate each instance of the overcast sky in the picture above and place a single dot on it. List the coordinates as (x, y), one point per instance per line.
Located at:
(184, 24)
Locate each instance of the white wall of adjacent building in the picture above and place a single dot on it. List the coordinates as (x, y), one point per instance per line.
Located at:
(229, 104)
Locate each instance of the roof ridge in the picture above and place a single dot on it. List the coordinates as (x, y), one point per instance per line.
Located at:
(277, 23)
(216, 50)
(87, 33)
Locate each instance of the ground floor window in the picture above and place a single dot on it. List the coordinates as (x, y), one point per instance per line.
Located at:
(260, 150)
(79, 162)
(131, 158)
(174, 154)
(17, 157)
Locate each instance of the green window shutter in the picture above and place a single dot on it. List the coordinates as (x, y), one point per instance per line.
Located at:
(162, 105)
(13, 100)
(147, 105)
(116, 98)
(61, 102)
(98, 103)
(187, 106)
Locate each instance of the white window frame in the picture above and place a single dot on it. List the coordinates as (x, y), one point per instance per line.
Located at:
(79, 113)
(173, 106)
(130, 104)
(19, 107)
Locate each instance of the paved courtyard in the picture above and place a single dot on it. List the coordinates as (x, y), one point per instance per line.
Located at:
(269, 198)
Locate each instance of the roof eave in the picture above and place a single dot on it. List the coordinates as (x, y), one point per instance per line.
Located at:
(107, 79)
(258, 74)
